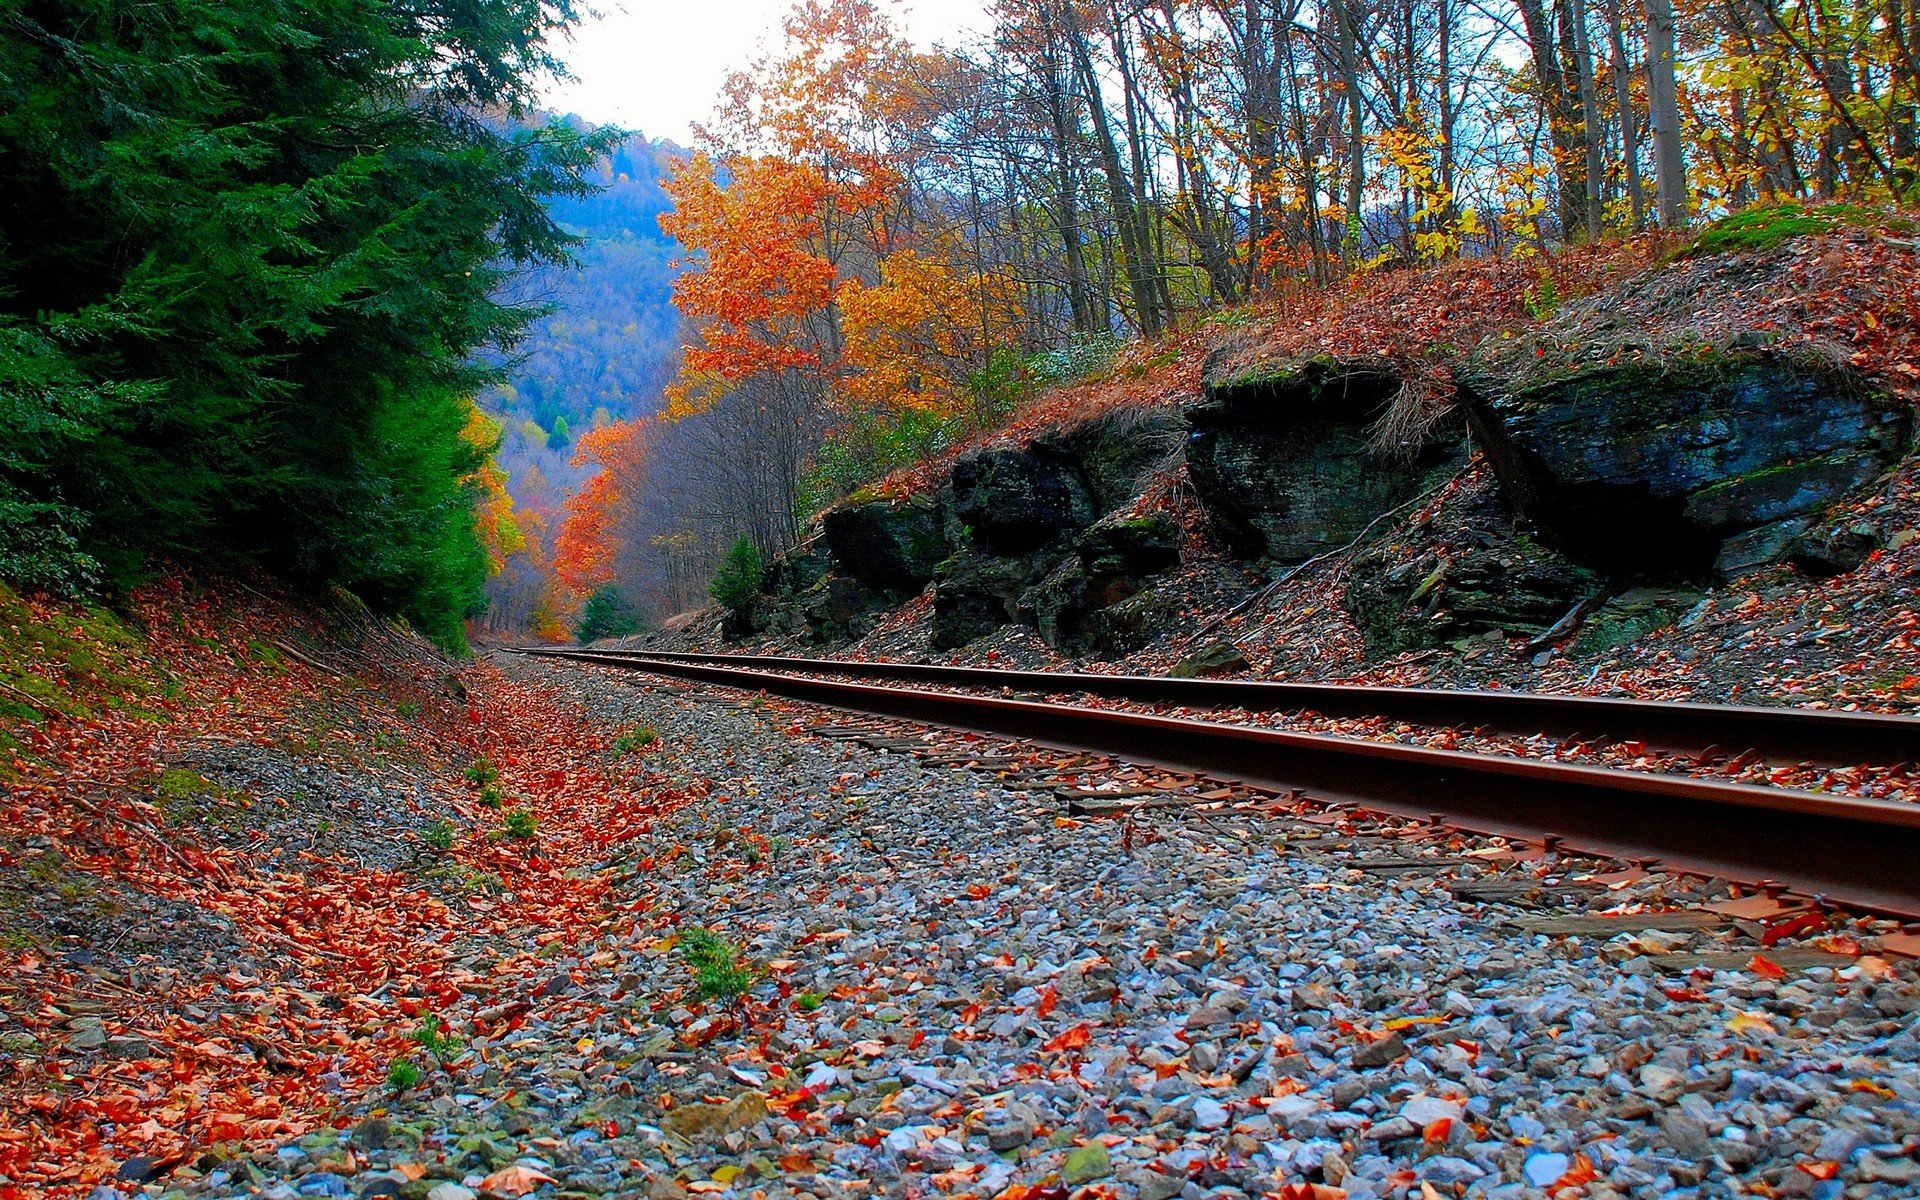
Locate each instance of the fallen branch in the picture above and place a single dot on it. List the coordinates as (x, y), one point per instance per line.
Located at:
(1565, 625)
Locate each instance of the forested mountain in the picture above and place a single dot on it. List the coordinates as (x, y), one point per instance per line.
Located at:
(612, 340)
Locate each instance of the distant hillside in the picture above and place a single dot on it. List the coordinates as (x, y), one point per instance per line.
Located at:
(613, 339)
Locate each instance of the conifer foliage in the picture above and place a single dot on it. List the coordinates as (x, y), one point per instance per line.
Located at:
(248, 249)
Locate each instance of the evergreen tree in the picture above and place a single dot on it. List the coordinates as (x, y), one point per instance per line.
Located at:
(606, 614)
(248, 252)
(737, 582)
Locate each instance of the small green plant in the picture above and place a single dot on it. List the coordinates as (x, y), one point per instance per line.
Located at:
(407, 710)
(439, 836)
(491, 797)
(435, 1040)
(737, 582)
(720, 971)
(482, 771)
(1543, 298)
(401, 1075)
(808, 1001)
(519, 824)
(637, 738)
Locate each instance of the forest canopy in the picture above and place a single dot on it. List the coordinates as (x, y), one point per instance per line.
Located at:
(250, 254)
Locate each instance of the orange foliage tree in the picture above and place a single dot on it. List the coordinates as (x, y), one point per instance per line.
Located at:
(588, 547)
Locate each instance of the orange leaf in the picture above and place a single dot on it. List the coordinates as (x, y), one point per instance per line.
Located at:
(515, 1180)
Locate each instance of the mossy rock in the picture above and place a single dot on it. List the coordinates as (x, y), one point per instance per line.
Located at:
(889, 545)
(1012, 500)
(1678, 466)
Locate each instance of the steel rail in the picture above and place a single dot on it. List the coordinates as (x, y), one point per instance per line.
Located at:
(1816, 735)
(1861, 853)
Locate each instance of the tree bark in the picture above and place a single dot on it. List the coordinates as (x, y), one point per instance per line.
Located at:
(1623, 99)
(1663, 111)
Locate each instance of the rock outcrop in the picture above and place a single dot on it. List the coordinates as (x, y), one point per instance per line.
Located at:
(1013, 500)
(1281, 456)
(888, 545)
(1677, 465)
(1469, 569)
(978, 593)
(1097, 600)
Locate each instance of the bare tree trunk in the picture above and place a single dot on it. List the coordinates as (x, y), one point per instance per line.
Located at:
(1346, 43)
(1560, 108)
(1663, 111)
(1066, 194)
(1133, 248)
(1589, 117)
(1443, 87)
(1623, 98)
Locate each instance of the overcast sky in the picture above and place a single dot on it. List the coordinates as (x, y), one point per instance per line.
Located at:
(655, 66)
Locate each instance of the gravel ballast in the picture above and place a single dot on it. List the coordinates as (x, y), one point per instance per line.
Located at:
(966, 991)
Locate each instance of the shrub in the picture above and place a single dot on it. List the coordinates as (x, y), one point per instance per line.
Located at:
(637, 738)
(435, 1040)
(519, 824)
(719, 970)
(491, 797)
(439, 836)
(606, 614)
(737, 581)
(482, 771)
(402, 1075)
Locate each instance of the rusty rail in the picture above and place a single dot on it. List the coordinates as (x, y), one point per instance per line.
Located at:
(1862, 853)
(1815, 735)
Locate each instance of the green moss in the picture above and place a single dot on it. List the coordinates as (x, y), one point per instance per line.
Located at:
(1765, 226)
(188, 797)
(72, 663)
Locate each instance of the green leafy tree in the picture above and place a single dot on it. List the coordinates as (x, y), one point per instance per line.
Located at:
(737, 582)
(250, 252)
(606, 614)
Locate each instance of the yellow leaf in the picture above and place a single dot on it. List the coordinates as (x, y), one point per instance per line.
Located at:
(725, 1174)
(1748, 1022)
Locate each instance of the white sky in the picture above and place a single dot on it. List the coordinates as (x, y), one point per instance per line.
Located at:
(656, 66)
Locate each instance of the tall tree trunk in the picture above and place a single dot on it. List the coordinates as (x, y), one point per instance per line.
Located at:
(1623, 99)
(1589, 118)
(1663, 117)
(1443, 88)
(1066, 194)
(1560, 106)
(1346, 43)
(1139, 272)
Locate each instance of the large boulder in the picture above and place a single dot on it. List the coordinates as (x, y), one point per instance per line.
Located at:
(836, 609)
(789, 578)
(1674, 464)
(1282, 458)
(1013, 500)
(888, 545)
(1115, 452)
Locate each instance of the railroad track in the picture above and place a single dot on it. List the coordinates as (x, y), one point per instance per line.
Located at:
(1856, 852)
